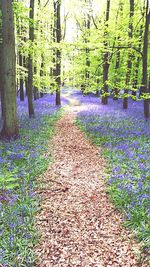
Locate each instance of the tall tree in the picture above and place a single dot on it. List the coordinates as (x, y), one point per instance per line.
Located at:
(137, 65)
(145, 84)
(30, 60)
(8, 85)
(129, 61)
(57, 33)
(21, 81)
(118, 54)
(117, 65)
(87, 51)
(106, 58)
(1, 91)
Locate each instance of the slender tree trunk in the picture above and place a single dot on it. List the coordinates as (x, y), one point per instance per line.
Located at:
(10, 127)
(118, 54)
(87, 75)
(87, 25)
(2, 102)
(21, 79)
(116, 89)
(129, 62)
(58, 78)
(35, 91)
(25, 65)
(52, 58)
(30, 61)
(58, 52)
(1, 85)
(137, 66)
(42, 73)
(54, 49)
(1, 96)
(145, 85)
(106, 58)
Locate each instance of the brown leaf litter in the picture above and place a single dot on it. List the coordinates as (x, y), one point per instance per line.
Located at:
(78, 224)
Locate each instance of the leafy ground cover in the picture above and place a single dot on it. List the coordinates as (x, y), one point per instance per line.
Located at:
(20, 161)
(124, 136)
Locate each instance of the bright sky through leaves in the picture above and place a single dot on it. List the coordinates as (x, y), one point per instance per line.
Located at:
(73, 9)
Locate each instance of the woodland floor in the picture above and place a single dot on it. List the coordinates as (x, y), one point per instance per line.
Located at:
(78, 224)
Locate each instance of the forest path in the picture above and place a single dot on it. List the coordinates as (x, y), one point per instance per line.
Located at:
(78, 224)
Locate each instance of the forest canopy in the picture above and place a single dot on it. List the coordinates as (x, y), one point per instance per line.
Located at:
(96, 46)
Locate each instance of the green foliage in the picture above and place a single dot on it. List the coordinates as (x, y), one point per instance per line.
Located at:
(90, 44)
(7, 180)
(86, 44)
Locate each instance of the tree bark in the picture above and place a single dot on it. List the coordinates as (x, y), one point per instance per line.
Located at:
(118, 54)
(145, 84)
(116, 89)
(21, 79)
(87, 75)
(57, 71)
(35, 91)
(42, 74)
(106, 58)
(30, 61)
(137, 66)
(1, 91)
(10, 127)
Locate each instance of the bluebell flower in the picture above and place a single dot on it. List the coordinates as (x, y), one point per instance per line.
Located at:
(11, 225)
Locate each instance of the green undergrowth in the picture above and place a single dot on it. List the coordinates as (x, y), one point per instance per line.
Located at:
(21, 162)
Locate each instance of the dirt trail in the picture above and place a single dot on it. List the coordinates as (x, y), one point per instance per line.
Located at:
(79, 226)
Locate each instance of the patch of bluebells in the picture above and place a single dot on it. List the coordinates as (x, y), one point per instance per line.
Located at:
(125, 136)
(20, 161)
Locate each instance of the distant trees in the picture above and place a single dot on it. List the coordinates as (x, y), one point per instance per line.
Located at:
(118, 50)
(39, 52)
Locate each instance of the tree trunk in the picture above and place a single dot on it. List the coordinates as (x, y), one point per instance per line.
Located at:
(129, 62)
(118, 54)
(1, 91)
(57, 71)
(42, 74)
(1, 96)
(30, 61)
(87, 25)
(106, 58)
(10, 127)
(58, 78)
(116, 89)
(145, 85)
(35, 91)
(136, 75)
(21, 79)
(25, 65)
